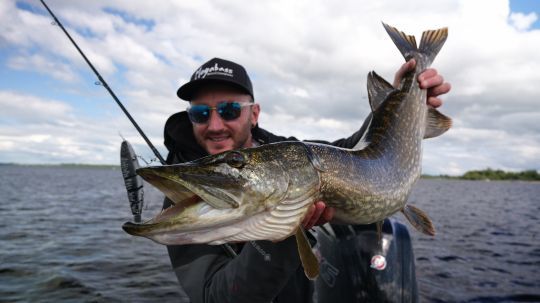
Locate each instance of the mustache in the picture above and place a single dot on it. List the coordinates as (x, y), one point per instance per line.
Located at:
(217, 133)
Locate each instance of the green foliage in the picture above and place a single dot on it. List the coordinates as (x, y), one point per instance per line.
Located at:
(491, 174)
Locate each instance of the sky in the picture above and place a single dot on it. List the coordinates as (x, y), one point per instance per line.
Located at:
(308, 61)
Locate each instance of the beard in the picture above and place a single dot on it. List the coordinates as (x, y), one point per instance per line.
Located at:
(229, 138)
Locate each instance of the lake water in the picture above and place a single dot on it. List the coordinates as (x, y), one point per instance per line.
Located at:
(61, 240)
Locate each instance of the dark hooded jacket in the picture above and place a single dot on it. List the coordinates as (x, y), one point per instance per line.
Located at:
(263, 271)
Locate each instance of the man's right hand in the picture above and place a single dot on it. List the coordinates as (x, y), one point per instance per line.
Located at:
(318, 214)
(429, 79)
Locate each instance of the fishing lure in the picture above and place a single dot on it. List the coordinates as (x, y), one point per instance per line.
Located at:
(134, 183)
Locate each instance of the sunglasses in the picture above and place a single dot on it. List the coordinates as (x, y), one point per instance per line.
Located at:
(228, 111)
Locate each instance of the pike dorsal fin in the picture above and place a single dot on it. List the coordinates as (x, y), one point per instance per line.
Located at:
(307, 257)
(378, 89)
(437, 123)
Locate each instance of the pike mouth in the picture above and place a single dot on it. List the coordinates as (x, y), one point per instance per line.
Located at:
(185, 187)
(190, 218)
(181, 182)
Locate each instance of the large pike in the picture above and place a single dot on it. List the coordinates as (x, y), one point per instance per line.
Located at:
(263, 193)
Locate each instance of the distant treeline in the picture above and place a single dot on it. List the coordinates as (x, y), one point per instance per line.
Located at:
(494, 174)
(486, 174)
(67, 165)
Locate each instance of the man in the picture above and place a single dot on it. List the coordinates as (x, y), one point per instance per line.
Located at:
(223, 116)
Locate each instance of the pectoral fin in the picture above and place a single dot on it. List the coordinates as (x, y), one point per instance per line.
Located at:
(436, 123)
(307, 257)
(419, 220)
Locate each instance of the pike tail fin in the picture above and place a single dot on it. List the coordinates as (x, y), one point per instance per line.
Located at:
(419, 220)
(405, 43)
(437, 123)
(430, 43)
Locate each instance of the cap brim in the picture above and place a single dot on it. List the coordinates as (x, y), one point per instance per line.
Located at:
(187, 91)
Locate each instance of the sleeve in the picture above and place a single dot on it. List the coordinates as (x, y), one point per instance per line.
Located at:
(257, 274)
(351, 141)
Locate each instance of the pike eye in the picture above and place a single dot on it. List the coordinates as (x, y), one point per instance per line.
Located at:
(235, 159)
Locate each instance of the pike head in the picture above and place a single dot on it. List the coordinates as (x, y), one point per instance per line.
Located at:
(259, 193)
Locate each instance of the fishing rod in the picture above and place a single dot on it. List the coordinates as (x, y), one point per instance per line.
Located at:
(138, 204)
(104, 84)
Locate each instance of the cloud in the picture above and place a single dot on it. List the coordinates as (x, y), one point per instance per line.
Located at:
(44, 65)
(523, 22)
(308, 61)
(38, 130)
(30, 109)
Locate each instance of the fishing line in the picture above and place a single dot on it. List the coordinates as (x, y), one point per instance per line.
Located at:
(153, 160)
(103, 83)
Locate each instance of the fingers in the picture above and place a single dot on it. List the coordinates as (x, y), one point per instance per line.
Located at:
(318, 214)
(308, 216)
(439, 90)
(427, 73)
(319, 208)
(327, 216)
(433, 82)
(430, 78)
(434, 93)
(435, 85)
(434, 102)
(407, 66)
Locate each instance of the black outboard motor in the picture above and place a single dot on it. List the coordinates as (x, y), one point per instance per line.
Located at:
(357, 267)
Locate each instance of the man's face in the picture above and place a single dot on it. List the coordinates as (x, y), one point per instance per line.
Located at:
(218, 135)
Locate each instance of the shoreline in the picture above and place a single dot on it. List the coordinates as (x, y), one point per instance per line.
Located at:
(64, 165)
(473, 175)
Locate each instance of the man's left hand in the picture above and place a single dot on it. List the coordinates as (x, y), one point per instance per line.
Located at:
(428, 79)
(318, 214)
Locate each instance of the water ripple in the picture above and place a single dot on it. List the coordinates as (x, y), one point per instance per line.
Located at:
(61, 240)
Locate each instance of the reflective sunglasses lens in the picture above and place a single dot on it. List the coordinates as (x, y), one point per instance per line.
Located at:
(229, 110)
(199, 113)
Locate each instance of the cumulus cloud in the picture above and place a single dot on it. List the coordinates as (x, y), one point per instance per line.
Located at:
(38, 130)
(31, 109)
(44, 65)
(308, 61)
(523, 21)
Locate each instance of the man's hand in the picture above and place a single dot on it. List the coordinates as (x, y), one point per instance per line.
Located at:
(428, 79)
(318, 214)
